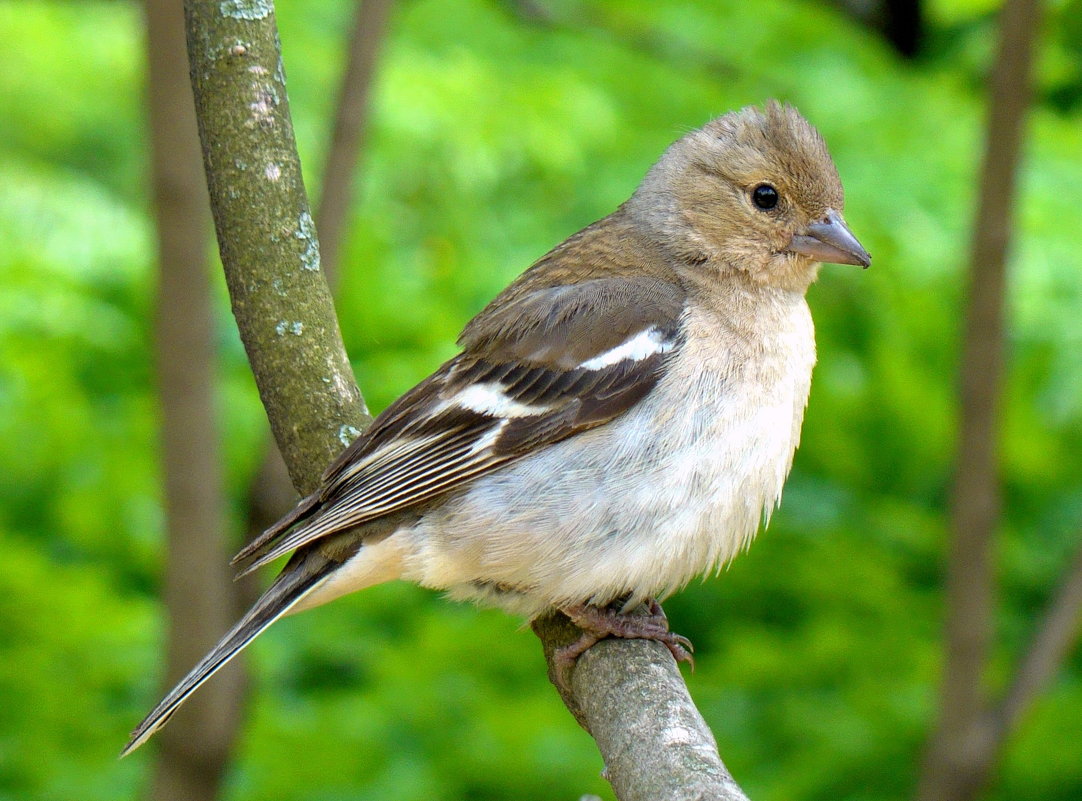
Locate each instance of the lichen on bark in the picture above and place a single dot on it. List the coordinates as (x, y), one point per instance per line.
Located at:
(266, 236)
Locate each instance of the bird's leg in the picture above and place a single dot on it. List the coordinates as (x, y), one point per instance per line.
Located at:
(599, 622)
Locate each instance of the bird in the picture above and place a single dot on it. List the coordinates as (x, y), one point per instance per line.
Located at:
(619, 420)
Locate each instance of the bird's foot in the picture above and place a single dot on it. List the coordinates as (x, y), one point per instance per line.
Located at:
(597, 623)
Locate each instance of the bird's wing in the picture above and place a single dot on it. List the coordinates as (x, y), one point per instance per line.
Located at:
(554, 362)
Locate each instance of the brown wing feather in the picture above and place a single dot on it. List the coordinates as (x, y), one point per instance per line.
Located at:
(527, 354)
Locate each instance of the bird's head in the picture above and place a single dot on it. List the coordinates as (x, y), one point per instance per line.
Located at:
(753, 191)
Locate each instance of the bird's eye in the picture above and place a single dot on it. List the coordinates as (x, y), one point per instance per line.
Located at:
(764, 196)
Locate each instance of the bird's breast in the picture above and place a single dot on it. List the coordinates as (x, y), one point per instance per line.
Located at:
(675, 487)
(728, 421)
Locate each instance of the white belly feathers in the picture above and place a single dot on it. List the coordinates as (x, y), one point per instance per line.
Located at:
(674, 488)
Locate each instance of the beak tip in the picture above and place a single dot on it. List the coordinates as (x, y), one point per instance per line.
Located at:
(831, 240)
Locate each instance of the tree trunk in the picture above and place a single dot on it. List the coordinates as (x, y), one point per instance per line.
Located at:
(963, 749)
(199, 593)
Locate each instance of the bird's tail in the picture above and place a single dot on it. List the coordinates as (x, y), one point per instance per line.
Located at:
(295, 582)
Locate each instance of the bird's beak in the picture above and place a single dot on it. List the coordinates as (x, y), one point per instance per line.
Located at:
(830, 240)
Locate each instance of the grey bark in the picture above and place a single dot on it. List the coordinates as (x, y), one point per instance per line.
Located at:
(270, 255)
(964, 746)
(629, 695)
(266, 234)
(200, 597)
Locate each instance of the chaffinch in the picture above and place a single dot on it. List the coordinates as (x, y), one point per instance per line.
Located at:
(621, 418)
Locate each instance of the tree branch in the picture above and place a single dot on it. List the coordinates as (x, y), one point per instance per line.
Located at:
(1059, 628)
(628, 693)
(350, 126)
(266, 234)
(270, 494)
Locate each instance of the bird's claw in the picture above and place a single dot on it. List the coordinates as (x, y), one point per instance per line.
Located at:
(597, 623)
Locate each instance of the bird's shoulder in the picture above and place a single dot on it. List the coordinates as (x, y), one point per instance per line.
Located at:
(599, 287)
(573, 342)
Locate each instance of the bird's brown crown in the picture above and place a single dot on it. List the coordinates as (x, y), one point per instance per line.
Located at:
(775, 143)
(732, 194)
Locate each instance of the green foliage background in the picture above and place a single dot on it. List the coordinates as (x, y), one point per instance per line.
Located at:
(493, 138)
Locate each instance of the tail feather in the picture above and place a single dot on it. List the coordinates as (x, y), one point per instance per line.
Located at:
(295, 582)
